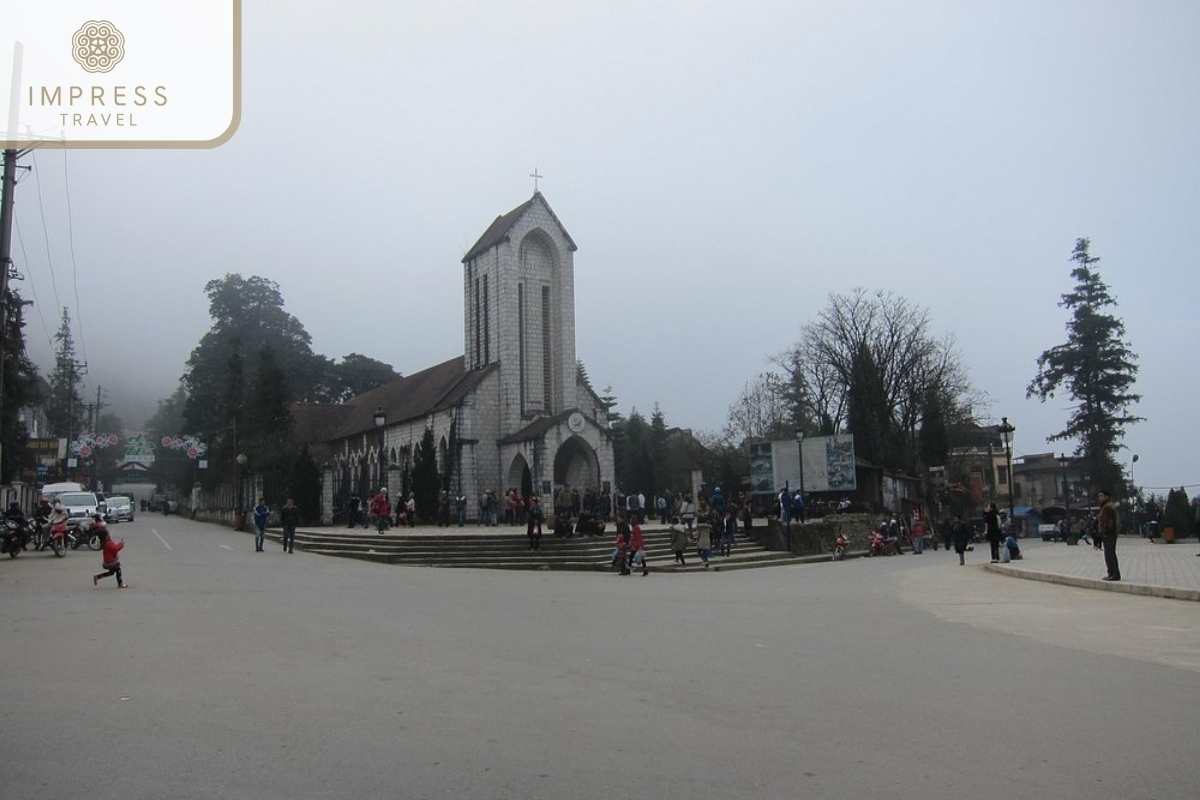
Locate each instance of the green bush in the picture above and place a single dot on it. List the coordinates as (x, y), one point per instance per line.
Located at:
(1178, 513)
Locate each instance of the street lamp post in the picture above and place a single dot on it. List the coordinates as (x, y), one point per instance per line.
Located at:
(381, 424)
(1006, 431)
(800, 450)
(1064, 460)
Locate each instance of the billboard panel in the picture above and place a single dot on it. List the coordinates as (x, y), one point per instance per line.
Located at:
(828, 464)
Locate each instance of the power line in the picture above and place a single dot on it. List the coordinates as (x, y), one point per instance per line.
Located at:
(45, 232)
(74, 271)
(29, 274)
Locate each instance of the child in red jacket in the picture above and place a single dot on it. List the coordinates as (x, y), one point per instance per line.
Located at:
(110, 553)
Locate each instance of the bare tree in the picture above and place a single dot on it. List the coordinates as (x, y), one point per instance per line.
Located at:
(869, 365)
(761, 411)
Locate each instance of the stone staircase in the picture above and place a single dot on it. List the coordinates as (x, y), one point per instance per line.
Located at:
(492, 549)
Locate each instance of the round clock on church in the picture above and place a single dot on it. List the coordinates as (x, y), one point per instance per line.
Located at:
(575, 422)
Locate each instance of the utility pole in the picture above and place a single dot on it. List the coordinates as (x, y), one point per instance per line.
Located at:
(7, 190)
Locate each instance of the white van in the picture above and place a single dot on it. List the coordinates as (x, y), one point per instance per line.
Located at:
(53, 490)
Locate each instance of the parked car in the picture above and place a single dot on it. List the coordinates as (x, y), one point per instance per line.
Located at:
(120, 508)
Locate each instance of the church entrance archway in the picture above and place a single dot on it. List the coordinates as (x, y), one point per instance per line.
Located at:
(576, 463)
(519, 476)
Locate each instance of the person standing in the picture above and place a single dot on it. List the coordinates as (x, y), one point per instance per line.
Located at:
(289, 517)
(620, 556)
(410, 510)
(261, 514)
(110, 554)
(381, 510)
(460, 508)
(353, 509)
(533, 524)
(991, 521)
(960, 536)
(1106, 525)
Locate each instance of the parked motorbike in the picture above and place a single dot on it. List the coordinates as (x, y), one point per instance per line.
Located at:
(840, 545)
(16, 536)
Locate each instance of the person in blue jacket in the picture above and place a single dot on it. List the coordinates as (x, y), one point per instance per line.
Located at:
(261, 514)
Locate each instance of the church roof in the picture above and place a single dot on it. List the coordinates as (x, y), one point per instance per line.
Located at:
(414, 396)
(536, 428)
(497, 232)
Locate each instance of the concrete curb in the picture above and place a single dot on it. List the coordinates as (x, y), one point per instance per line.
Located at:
(1144, 589)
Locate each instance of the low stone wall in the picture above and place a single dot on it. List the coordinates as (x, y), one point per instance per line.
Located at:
(815, 536)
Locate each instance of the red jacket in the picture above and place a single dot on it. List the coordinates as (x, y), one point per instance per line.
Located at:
(380, 506)
(112, 550)
(636, 542)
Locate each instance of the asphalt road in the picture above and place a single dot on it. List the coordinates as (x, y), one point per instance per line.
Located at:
(224, 673)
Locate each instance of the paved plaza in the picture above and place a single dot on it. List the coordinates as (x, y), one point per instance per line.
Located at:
(228, 673)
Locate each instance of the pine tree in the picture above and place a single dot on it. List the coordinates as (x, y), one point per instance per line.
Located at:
(20, 389)
(1097, 368)
(426, 483)
(64, 409)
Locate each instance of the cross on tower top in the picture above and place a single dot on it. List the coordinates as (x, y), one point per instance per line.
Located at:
(536, 176)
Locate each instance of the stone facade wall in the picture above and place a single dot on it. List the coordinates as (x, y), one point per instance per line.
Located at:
(815, 536)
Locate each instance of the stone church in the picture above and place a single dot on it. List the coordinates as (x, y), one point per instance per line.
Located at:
(513, 411)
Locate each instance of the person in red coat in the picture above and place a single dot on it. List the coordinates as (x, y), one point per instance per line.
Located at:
(110, 552)
(637, 548)
(381, 510)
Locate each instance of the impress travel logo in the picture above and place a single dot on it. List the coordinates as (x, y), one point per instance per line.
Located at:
(146, 74)
(98, 46)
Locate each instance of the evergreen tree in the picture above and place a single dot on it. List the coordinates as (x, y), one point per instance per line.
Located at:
(20, 390)
(426, 483)
(64, 410)
(305, 482)
(268, 416)
(1097, 368)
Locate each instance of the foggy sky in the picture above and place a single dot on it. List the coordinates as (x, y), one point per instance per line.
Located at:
(723, 168)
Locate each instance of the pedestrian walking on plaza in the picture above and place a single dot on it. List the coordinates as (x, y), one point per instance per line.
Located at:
(620, 555)
(704, 543)
(637, 548)
(728, 529)
(687, 512)
(679, 540)
(533, 524)
(353, 509)
(1106, 524)
(991, 521)
(960, 536)
(289, 517)
(261, 514)
(110, 554)
(410, 510)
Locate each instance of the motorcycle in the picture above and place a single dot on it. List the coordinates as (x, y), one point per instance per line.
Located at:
(840, 545)
(52, 535)
(78, 532)
(16, 536)
(881, 545)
